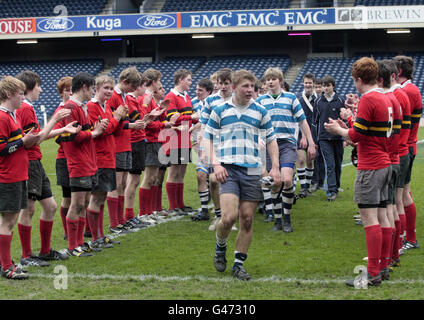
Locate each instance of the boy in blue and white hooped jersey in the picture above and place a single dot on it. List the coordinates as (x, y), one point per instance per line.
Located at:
(224, 94)
(234, 128)
(287, 116)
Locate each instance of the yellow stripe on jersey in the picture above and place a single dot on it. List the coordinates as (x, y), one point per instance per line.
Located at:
(19, 136)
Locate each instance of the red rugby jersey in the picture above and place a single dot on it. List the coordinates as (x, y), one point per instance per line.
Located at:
(181, 103)
(370, 130)
(393, 140)
(122, 135)
(28, 119)
(79, 148)
(104, 144)
(416, 101)
(405, 130)
(135, 112)
(60, 153)
(14, 164)
(154, 128)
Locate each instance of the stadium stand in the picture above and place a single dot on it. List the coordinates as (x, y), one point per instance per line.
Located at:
(50, 72)
(206, 5)
(339, 68)
(388, 2)
(255, 63)
(44, 8)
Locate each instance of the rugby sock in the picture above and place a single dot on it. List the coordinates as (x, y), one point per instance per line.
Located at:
(171, 191)
(277, 203)
(45, 235)
(411, 216)
(239, 259)
(204, 200)
(159, 198)
(101, 215)
(288, 197)
(218, 213)
(129, 213)
(309, 174)
(72, 226)
(112, 206)
(154, 190)
(5, 257)
(221, 245)
(25, 237)
(87, 225)
(80, 231)
(373, 238)
(121, 205)
(294, 180)
(145, 201)
(397, 241)
(93, 221)
(301, 173)
(63, 213)
(180, 196)
(268, 200)
(386, 237)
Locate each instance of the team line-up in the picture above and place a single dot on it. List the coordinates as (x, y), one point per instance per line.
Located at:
(250, 136)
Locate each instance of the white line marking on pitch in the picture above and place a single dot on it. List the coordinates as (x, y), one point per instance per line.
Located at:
(274, 279)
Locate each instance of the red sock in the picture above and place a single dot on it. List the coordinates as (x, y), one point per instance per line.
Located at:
(93, 221)
(386, 237)
(101, 215)
(72, 226)
(180, 198)
(145, 201)
(129, 213)
(154, 190)
(121, 205)
(159, 198)
(45, 235)
(5, 257)
(80, 234)
(25, 237)
(396, 247)
(112, 205)
(63, 213)
(171, 191)
(411, 216)
(87, 225)
(373, 237)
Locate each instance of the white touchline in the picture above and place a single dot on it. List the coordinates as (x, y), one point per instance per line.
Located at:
(273, 279)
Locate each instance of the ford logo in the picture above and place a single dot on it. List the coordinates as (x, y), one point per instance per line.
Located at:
(157, 21)
(57, 24)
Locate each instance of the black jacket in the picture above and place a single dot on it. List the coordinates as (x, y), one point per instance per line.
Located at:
(325, 110)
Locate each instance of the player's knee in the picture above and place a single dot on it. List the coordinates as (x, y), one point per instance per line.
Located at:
(227, 222)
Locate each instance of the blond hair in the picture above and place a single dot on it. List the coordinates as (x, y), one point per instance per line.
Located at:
(131, 76)
(101, 80)
(241, 75)
(10, 86)
(273, 72)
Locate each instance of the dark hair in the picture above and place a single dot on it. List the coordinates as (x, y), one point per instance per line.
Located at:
(152, 75)
(224, 74)
(385, 70)
(406, 64)
(181, 74)
(309, 76)
(286, 86)
(328, 80)
(206, 84)
(30, 78)
(318, 81)
(80, 79)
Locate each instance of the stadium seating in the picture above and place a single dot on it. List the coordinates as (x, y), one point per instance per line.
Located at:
(255, 63)
(44, 8)
(50, 73)
(167, 66)
(339, 68)
(388, 2)
(206, 5)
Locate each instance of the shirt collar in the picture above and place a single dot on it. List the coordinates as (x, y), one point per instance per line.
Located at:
(79, 103)
(177, 93)
(405, 83)
(11, 113)
(394, 87)
(28, 102)
(314, 94)
(375, 89)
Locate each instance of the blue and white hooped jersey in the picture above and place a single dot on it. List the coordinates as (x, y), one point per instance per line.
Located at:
(286, 112)
(236, 130)
(211, 102)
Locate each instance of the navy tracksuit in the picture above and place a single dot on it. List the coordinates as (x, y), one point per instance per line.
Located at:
(330, 146)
